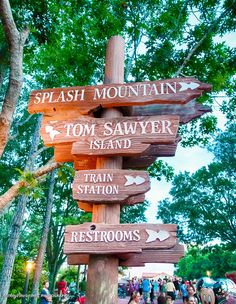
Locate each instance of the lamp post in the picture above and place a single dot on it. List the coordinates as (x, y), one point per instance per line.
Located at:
(29, 267)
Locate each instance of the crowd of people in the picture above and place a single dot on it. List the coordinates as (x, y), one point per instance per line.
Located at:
(161, 291)
(64, 292)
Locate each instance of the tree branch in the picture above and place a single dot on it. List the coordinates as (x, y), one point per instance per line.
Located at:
(11, 193)
(197, 45)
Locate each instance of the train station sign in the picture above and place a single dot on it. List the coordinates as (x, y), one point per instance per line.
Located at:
(86, 99)
(96, 238)
(106, 185)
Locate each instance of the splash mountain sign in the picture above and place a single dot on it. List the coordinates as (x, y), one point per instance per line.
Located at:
(90, 98)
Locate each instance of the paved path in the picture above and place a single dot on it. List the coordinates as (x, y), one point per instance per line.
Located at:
(125, 301)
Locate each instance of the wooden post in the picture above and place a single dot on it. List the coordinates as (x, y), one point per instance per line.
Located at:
(102, 282)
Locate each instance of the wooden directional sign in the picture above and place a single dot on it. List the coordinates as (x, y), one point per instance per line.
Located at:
(171, 255)
(106, 185)
(128, 136)
(109, 239)
(87, 99)
(62, 153)
(121, 136)
(186, 112)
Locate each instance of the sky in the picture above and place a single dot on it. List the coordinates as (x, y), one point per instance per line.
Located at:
(185, 159)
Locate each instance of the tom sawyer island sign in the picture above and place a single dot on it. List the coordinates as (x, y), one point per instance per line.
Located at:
(121, 136)
(109, 239)
(106, 185)
(90, 98)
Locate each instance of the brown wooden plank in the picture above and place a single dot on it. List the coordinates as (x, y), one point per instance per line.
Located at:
(129, 144)
(86, 207)
(107, 239)
(109, 185)
(186, 112)
(86, 99)
(153, 256)
(136, 199)
(62, 153)
(77, 259)
(137, 259)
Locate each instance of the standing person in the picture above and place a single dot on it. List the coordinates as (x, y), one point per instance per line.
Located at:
(135, 297)
(191, 300)
(177, 286)
(152, 292)
(62, 287)
(192, 293)
(155, 289)
(161, 299)
(184, 292)
(169, 300)
(163, 288)
(140, 282)
(45, 296)
(146, 289)
(170, 289)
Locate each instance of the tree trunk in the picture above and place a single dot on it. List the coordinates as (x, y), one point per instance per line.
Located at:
(43, 243)
(16, 41)
(55, 255)
(11, 251)
(102, 280)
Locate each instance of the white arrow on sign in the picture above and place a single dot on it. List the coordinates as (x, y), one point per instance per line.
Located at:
(162, 235)
(51, 131)
(138, 180)
(185, 86)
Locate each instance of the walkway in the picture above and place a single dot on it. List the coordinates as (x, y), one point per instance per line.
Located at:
(125, 301)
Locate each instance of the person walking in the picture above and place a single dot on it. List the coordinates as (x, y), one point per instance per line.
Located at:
(170, 289)
(146, 289)
(184, 292)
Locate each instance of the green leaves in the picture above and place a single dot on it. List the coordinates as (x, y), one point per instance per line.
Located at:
(203, 203)
(30, 184)
(160, 169)
(215, 259)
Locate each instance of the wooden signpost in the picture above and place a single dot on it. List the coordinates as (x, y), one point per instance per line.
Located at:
(109, 239)
(101, 148)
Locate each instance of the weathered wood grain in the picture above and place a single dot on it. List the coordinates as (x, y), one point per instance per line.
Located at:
(87, 99)
(96, 238)
(106, 185)
(137, 259)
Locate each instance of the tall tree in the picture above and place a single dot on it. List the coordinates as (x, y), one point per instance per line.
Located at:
(203, 203)
(215, 259)
(11, 250)
(44, 236)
